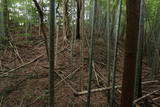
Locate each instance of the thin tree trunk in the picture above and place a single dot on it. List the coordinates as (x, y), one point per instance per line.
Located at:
(5, 21)
(91, 53)
(56, 45)
(42, 25)
(51, 84)
(115, 52)
(65, 20)
(72, 33)
(1, 25)
(137, 88)
(107, 33)
(78, 19)
(82, 44)
(26, 21)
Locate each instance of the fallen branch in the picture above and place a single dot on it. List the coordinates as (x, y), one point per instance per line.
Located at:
(21, 66)
(143, 97)
(28, 76)
(95, 90)
(157, 98)
(74, 91)
(63, 79)
(147, 82)
(16, 52)
(107, 88)
(101, 76)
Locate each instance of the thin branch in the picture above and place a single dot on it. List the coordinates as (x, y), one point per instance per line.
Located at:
(108, 88)
(64, 79)
(143, 97)
(21, 66)
(74, 91)
(148, 82)
(95, 90)
(16, 52)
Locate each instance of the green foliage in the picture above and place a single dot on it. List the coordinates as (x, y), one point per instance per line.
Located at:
(152, 6)
(22, 12)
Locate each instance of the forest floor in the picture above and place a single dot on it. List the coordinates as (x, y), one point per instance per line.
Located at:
(24, 74)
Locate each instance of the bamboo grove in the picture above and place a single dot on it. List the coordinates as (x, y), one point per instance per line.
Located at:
(109, 44)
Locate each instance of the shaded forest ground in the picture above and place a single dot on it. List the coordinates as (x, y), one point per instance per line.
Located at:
(26, 83)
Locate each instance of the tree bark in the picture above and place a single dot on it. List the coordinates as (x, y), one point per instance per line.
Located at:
(78, 19)
(138, 87)
(133, 13)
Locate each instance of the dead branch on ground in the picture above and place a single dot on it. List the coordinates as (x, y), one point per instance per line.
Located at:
(21, 66)
(144, 96)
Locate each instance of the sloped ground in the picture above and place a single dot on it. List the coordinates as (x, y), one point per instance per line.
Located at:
(27, 86)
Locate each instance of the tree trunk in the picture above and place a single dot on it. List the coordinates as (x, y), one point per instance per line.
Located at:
(78, 19)
(41, 16)
(107, 36)
(51, 100)
(117, 27)
(1, 25)
(4, 21)
(65, 20)
(137, 88)
(91, 53)
(133, 11)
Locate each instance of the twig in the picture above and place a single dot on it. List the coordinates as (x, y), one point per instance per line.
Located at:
(21, 66)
